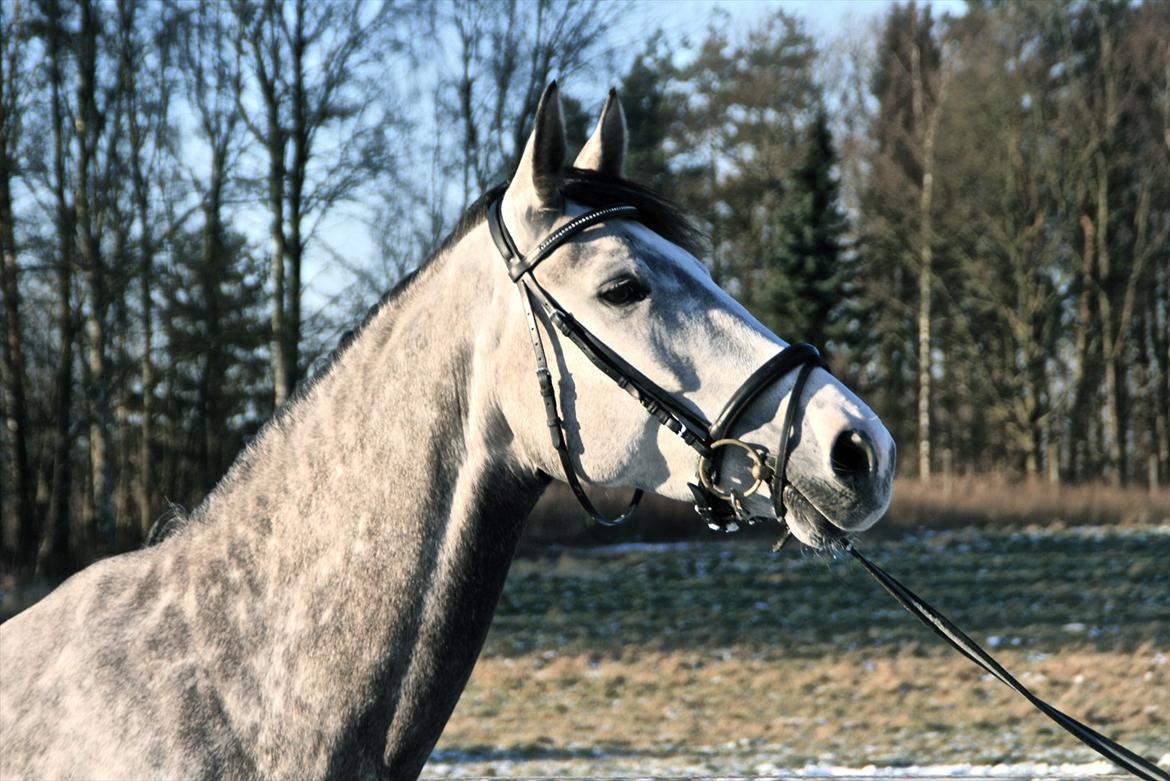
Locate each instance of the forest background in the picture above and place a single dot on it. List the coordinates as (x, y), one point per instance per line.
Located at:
(969, 209)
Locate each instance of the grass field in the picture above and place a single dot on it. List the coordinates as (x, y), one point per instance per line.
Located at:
(724, 659)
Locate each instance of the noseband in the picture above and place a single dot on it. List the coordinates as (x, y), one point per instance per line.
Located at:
(721, 508)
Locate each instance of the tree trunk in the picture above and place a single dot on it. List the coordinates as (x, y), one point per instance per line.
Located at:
(169, 474)
(210, 381)
(126, 530)
(146, 441)
(139, 112)
(14, 372)
(1160, 349)
(296, 180)
(466, 29)
(266, 38)
(1114, 390)
(924, 357)
(1086, 370)
(87, 125)
(926, 122)
(279, 337)
(1053, 454)
(53, 556)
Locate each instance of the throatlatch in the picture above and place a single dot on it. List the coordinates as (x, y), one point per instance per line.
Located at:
(721, 508)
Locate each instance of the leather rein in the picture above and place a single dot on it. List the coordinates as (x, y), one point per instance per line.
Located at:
(720, 507)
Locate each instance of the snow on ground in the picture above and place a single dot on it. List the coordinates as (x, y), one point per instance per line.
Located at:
(1022, 770)
(626, 548)
(600, 765)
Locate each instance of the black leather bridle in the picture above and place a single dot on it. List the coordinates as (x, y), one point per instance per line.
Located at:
(721, 508)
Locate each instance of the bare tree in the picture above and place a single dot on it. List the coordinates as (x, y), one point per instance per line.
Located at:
(507, 52)
(900, 203)
(1002, 247)
(1107, 97)
(145, 60)
(53, 555)
(89, 124)
(212, 78)
(16, 407)
(258, 42)
(332, 96)
(307, 65)
(928, 92)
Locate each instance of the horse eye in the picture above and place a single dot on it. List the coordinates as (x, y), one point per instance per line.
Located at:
(624, 292)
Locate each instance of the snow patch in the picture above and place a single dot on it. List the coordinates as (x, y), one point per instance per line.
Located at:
(1023, 770)
(599, 764)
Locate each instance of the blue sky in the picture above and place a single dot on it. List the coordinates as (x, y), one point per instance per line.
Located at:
(825, 17)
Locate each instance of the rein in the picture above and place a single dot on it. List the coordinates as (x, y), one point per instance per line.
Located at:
(720, 508)
(961, 642)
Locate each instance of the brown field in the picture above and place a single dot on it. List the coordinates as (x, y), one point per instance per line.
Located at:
(724, 660)
(715, 657)
(889, 708)
(983, 501)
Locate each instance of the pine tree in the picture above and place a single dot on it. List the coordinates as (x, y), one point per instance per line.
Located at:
(807, 279)
(216, 338)
(650, 109)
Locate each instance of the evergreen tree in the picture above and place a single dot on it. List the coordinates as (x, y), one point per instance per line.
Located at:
(216, 385)
(650, 110)
(738, 133)
(807, 278)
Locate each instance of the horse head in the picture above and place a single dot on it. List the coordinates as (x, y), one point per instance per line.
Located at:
(610, 269)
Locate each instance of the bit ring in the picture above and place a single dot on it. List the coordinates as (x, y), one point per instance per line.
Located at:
(758, 470)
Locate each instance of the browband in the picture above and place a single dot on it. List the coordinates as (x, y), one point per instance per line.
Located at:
(519, 264)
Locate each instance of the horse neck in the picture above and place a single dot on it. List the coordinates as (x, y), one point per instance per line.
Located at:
(356, 554)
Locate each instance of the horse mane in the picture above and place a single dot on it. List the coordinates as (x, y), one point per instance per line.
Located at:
(590, 188)
(173, 518)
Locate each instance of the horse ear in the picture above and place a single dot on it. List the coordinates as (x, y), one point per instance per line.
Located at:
(605, 151)
(543, 163)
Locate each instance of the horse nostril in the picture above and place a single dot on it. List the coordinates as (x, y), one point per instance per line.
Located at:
(852, 457)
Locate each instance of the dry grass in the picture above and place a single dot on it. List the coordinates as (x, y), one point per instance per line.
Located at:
(967, 501)
(886, 708)
(719, 659)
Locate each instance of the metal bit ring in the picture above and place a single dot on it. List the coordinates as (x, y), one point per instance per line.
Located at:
(759, 470)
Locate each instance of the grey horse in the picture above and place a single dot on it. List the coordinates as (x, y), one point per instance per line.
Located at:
(320, 613)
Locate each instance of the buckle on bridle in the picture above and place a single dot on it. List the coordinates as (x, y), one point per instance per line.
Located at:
(715, 512)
